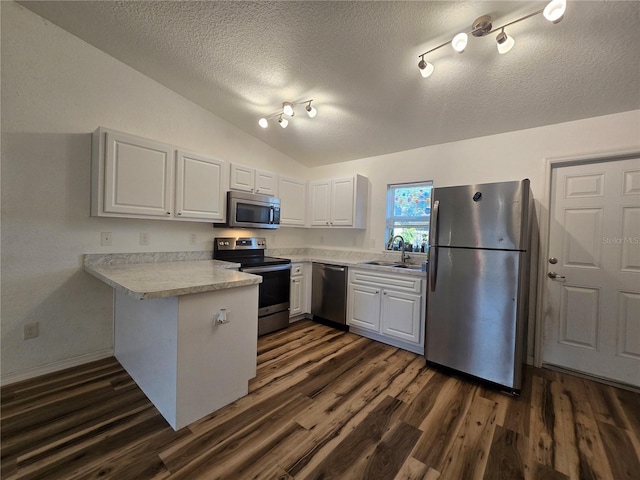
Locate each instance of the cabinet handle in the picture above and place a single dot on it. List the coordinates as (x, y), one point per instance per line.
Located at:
(384, 293)
(168, 213)
(179, 213)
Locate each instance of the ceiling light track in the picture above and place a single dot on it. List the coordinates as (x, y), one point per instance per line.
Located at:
(483, 26)
(288, 110)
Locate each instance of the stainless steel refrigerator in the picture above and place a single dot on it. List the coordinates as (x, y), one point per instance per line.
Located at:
(478, 282)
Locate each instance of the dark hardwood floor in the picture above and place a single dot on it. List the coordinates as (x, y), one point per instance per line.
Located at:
(325, 404)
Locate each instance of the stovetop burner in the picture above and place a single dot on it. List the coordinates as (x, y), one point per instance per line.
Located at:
(247, 251)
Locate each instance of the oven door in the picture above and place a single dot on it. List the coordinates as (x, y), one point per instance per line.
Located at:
(274, 289)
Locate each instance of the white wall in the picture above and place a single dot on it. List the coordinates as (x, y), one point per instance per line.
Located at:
(495, 158)
(57, 89)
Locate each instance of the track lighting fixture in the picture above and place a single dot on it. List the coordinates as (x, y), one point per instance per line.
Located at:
(482, 26)
(288, 110)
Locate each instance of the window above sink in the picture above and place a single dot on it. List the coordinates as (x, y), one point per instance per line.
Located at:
(408, 215)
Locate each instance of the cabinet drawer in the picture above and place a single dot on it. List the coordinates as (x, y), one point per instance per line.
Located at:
(296, 269)
(404, 283)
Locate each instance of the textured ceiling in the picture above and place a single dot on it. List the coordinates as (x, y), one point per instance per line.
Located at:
(358, 61)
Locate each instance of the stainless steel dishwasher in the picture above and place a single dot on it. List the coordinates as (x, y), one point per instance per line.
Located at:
(329, 293)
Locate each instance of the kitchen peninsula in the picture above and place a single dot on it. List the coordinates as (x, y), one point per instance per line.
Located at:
(185, 329)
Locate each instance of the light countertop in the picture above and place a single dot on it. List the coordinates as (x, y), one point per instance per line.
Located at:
(169, 279)
(345, 261)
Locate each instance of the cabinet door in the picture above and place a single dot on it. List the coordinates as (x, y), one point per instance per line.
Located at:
(138, 176)
(342, 202)
(199, 190)
(295, 306)
(364, 307)
(293, 195)
(241, 178)
(401, 315)
(266, 183)
(320, 201)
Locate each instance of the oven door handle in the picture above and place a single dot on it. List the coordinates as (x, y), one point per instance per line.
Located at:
(273, 268)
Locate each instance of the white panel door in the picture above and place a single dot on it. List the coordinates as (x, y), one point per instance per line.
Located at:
(320, 201)
(364, 307)
(266, 183)
(138, 176)
(199, 192)
(342, 202)
(401, 315)
(592, 294)
(295, 302)
(241, 178)
(293, 201)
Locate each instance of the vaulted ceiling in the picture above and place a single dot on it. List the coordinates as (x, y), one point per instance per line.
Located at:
(358, 61)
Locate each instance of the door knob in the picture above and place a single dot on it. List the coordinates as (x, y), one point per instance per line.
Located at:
(555, 275)
(553, 260)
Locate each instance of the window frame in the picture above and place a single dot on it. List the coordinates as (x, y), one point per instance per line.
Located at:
(391, 220)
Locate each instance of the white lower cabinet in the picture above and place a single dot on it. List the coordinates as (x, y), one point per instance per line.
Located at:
(299, 294)
(388, 308)
(365, 307)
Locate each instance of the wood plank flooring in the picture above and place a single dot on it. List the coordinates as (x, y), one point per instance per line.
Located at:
(325, 404)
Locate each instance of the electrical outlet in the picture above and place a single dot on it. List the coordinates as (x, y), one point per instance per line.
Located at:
(105, 239)
(30, 330)
(144, 238)
(193, 239)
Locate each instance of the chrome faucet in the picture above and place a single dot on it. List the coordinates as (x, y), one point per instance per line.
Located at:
(404, 256)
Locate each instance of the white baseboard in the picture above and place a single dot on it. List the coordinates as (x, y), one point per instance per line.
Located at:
(54, 367)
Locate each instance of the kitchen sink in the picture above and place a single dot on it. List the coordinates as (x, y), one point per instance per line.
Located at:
(381, 263)
(393, 264)
(408, 266)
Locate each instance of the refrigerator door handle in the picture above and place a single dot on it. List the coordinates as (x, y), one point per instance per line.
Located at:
(433, 266)
(433, 252)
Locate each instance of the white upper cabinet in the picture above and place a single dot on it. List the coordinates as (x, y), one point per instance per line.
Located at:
(293, 195)
(339, 202)
(249, 179)
(266, 183)
(132, 176)
(199, 192)
(242, 178)
(320, 203)
(135, 177)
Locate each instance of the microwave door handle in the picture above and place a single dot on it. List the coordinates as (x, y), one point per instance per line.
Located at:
(270, 214)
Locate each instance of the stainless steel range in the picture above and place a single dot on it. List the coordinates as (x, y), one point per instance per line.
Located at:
(273, 303)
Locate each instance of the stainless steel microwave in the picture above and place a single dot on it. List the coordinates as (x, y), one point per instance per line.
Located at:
(251, 210)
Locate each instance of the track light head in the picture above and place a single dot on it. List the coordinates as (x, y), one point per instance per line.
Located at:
(263, 122)
(283, 122)
(311, 111)
(459, 42)
(554, 11)
(287, 109)
(505, 42)
(426, 68)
